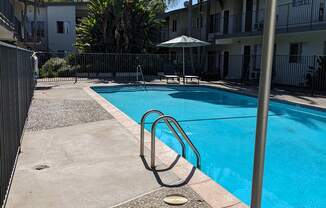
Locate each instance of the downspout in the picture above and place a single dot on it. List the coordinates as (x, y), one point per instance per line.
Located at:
(35, 26)
(189, 31)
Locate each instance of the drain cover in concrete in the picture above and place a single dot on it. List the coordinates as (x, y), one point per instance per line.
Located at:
(175, 199)
(41, 167)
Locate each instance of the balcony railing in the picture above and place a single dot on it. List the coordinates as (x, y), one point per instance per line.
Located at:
(198, 33)
(290, 17)
(7, 16)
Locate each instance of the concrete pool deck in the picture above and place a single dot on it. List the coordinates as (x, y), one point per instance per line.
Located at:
(87, 156)
(84, 157)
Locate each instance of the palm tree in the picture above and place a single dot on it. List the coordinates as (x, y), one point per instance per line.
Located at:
(120, 26)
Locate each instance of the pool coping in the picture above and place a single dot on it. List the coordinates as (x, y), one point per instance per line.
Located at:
(274, 99)
(210, 191)
(242, 92)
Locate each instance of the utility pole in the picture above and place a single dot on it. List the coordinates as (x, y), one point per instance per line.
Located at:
(263, 102)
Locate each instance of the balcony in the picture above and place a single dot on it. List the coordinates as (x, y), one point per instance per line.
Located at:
(7, 16)
(290, 18)
(198, 33)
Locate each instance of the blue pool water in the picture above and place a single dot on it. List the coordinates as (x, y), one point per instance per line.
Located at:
(222, 126)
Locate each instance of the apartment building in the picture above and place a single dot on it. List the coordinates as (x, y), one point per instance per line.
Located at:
(11, 16)
(235, 30)
(55, 25)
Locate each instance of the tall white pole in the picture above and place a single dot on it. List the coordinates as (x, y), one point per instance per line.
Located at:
(263, 102)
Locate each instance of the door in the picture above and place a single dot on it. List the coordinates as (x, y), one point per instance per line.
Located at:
(225, 64)
(246, 62)
(226, 22)
(249, 11)
(211, 62)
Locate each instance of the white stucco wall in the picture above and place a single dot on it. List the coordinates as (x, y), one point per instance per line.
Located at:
(61, 42)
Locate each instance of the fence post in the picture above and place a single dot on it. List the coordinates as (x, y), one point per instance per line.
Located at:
(313, 75)
(75, 65)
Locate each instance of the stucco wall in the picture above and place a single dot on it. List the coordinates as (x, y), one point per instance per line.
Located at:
(61, 42)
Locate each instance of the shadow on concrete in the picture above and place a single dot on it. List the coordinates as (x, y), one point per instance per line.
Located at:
(172, 165)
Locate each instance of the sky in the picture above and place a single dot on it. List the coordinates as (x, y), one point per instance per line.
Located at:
(179, 5)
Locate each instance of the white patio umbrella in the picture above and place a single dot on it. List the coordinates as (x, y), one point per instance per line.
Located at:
(183, 42)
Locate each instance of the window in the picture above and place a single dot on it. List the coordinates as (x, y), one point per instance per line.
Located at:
(215, 20)
(197, 22)
(211, 23)
(40, 29)
(60, 27)
(297, 3)
(295, 52)
(174, 25)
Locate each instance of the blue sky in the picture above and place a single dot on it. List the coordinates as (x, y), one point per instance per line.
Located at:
(179, 5)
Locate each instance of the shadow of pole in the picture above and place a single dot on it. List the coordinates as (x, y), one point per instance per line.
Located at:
(158, 178)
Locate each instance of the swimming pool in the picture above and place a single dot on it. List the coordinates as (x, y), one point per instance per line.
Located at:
(222, 125)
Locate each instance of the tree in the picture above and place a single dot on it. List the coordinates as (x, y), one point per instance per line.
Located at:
(128, 26)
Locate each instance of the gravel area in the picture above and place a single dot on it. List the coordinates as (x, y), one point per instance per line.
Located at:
(54, 113)
(155, 199)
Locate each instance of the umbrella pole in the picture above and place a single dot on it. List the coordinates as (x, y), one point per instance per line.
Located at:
(183, 67)
(263, 103)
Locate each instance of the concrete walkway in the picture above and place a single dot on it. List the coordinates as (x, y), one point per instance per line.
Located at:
(82, 157)
(76, 154)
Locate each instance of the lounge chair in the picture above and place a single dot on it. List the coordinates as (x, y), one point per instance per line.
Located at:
(191, 77)
(171, 77)
(169, 74)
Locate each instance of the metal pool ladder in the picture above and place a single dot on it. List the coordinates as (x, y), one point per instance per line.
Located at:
(167, 120)
(140, 71)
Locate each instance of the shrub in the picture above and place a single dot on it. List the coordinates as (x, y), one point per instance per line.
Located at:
(66, 72)
(52, 67)
(71, 59)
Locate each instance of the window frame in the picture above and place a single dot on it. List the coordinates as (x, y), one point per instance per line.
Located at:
(60, 27)
(174, 25)
(297, 56)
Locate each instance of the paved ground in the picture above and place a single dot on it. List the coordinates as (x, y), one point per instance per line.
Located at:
(155, 199)
(62, 107)
(74, 154)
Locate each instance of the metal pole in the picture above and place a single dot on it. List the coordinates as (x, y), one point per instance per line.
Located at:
(263, 102)
(183, 65)
(35, 26)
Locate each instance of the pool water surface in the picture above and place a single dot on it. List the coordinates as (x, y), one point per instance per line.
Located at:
(222, 126)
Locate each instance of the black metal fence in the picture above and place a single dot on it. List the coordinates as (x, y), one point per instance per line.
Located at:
(305, 72)
(120, 67)
(297, 71)
(16, 91)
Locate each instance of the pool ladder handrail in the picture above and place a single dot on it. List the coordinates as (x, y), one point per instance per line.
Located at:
(140, 70)
(142, 132)
(167, 119)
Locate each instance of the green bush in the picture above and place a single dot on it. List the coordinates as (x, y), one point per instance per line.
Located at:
(52, 67)
(71, 59)
(66, 72)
